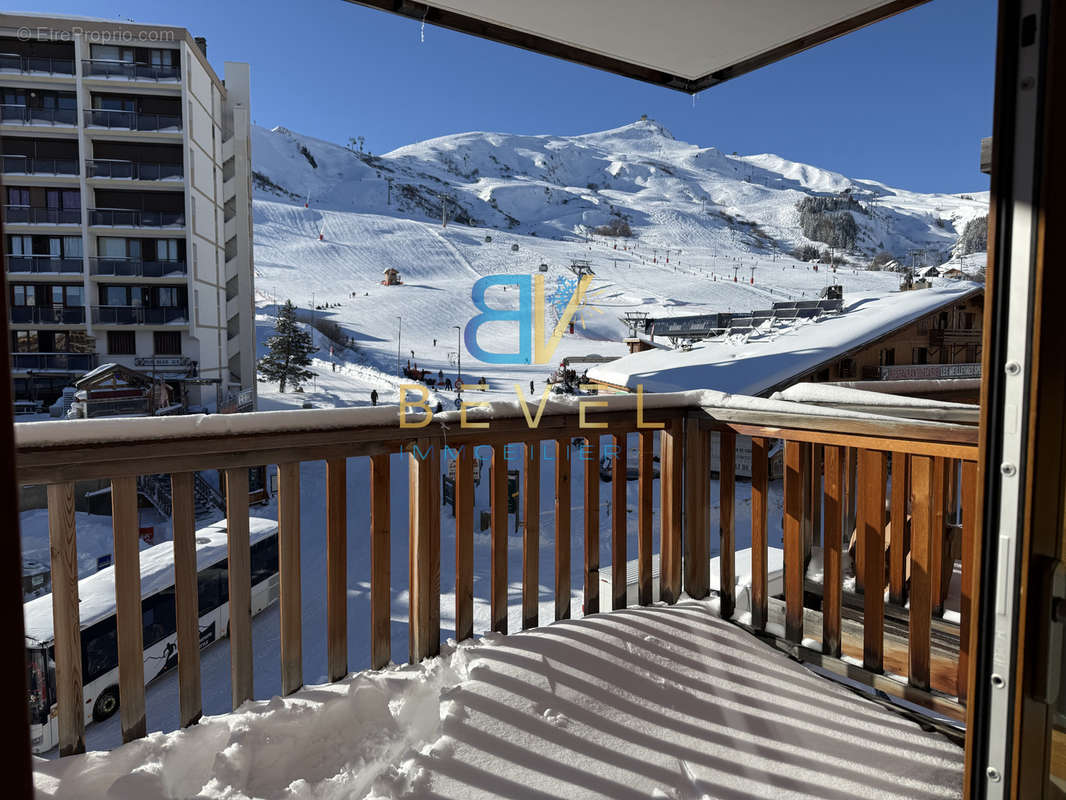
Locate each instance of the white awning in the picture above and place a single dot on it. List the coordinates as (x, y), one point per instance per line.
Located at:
(684, 44)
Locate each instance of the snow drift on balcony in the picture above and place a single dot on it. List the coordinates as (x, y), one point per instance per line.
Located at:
(665, 702)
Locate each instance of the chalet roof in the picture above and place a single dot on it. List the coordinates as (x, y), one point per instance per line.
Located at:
(112, 375)
(765, 359)
(687, 45)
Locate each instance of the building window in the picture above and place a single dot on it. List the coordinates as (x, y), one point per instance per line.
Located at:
(888, 357)
(919, 355)
(968, 320)
(121, 343)
(25, 341)
(167, 343)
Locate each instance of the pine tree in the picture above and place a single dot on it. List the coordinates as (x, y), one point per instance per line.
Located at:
(289, 351)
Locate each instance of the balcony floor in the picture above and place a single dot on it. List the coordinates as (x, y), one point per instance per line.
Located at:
(665, 702)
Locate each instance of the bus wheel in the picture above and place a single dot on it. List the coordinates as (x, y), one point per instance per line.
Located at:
(106, 704)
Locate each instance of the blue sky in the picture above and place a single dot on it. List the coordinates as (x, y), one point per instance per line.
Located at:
(904, 101)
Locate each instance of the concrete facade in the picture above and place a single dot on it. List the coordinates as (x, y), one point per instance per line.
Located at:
(127, 194)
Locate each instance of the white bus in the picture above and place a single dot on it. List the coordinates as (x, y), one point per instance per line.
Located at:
(99, 651)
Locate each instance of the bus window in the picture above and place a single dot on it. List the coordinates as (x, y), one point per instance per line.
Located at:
(264, 559)
(40, 695)
(212, 587)
(157, 614)
(99, 649)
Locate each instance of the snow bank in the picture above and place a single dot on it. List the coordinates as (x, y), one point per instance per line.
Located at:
(828, 393)
(665, 702)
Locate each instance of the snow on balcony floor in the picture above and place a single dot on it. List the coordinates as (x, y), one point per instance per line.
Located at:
(664, 702)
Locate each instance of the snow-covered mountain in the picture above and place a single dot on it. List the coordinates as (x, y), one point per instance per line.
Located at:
(671, 194)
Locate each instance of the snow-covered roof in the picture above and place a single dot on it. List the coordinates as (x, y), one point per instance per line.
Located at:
(97, 592)
(752, 365)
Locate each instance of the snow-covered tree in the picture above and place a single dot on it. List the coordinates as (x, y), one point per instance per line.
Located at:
(289, 351)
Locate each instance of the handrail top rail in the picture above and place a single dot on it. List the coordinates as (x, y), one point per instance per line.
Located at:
(714, 406)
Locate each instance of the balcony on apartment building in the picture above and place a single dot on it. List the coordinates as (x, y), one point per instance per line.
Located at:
(44, 265)
(141, 305)
(134, 112)
(54, 362)
(29, 156)
(41, 205)
(21, 106)
(126, 209)
(113, 62)
(148, 161)
(33, 57)
(47, 315)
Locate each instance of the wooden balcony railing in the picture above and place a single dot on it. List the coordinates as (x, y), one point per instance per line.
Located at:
(837, 469)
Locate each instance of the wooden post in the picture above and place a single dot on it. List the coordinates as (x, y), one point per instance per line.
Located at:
(670, 489)
(498, 578)
(464, 543)
(697, 524)
(289, 577)
(63, 544)
(592, 524)
(816, 496)
(186, 597)
(128, 607)
(531, 537)
(851, 470)
(897, 546)
(562, 528)
(871, 483)
(759, 568)
(936, 544)
(806, 478)
(645, 478)
(380, 563)
(239, 554)
(727, 458)
(969, 531)
(424, 570)
(337, 568)
(797, 485)
(831, 575)
(921, 602)
(618, 522)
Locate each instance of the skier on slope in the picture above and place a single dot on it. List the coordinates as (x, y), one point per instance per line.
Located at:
(373, 397)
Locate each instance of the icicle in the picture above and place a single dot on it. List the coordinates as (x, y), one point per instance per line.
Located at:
(693, 99)
(422, 32)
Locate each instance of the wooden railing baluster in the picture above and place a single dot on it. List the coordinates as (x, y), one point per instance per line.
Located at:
(424, 553)
(618, 522)
(871, 482)
(289, 577)
(498, 579)
(239, 557)
(795, 481)
(562, 528)
(645, 479)
(531, 536)
(921, 602)
(831, 574)
(63, 544)
(817, 466)
(187, 614)
(697, 525)
(727, 459)
(670, 489)
(937, 556)
(806, 477)
(380, 563)
(464, 543)
(968, 498)
(128, 608)
(759, 567)
(592, 524)
(897, 546)
(337, 568)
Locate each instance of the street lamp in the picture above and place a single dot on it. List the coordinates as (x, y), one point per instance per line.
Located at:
(459, 349)
(399, 331)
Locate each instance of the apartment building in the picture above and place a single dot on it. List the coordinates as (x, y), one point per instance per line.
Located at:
(127, 206)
